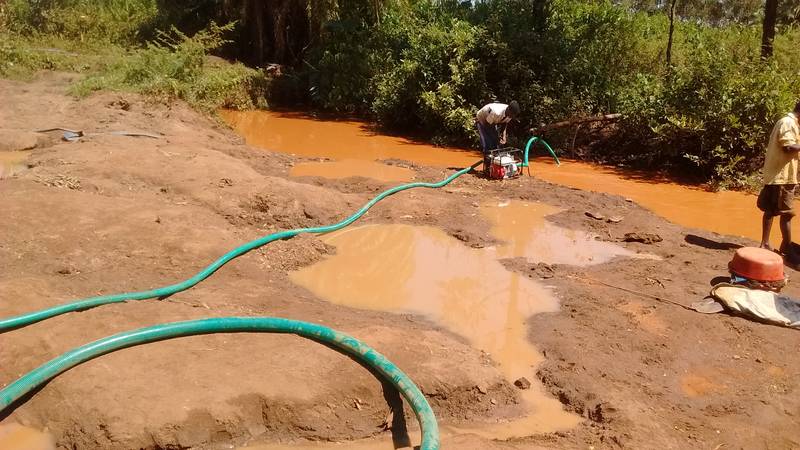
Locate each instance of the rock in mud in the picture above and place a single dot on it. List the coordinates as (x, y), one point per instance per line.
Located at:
(522, 383)
(543, 270)
(594, 215)
(644, 238)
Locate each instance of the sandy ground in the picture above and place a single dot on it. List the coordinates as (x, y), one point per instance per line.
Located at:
(113, 213)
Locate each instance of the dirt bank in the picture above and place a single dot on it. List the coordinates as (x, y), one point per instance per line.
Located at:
(114, 213)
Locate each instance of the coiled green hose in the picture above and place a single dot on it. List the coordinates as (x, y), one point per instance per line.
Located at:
(533, 141)
(19, 321)
(15, 391)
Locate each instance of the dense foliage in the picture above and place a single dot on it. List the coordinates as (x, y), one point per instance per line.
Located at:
(425, 66)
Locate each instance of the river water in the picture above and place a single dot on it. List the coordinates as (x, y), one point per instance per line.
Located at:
(732, 213)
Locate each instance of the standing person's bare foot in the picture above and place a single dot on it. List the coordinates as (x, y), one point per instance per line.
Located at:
(790, 256)
(765, 245)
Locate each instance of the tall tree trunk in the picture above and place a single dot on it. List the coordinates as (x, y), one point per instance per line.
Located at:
(671, 31)
(279, 15)
(768, 33)
(254, 22)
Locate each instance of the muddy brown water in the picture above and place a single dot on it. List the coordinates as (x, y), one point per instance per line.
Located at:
(17, 437)
(732, 213)
(351, 168)
(12, 163)
(423, 270)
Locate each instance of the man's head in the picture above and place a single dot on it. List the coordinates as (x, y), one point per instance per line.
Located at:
(513, 110)
(797, 107)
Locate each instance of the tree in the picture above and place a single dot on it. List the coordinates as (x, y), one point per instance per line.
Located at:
(768, 31)
(671, 30)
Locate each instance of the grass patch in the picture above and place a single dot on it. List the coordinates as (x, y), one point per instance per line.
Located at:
(20, 57)
(172, 67)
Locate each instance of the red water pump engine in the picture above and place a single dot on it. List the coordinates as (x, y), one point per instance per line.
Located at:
(505, 163)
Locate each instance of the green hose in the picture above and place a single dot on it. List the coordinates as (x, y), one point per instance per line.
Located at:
(531, 142)
(15, 391)
(19, 321)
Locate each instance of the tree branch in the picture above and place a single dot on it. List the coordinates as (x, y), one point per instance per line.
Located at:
(575, 121)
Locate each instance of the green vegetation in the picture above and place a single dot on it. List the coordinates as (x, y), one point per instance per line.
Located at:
(706, 116)
(105, 40)
(425, 66)
(171, 67)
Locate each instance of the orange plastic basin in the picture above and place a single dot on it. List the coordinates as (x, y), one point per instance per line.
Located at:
(757, 264)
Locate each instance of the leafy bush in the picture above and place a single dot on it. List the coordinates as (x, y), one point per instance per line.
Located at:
(712, 115)
(331, 87)
(433, 78)
(175, 66)
(113, 21)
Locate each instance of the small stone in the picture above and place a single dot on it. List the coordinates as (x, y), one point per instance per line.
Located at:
(594, 215)
(493, 401)
(482, 389)
(644, 238)
(522, 383)
(737, 357)
(615, 219)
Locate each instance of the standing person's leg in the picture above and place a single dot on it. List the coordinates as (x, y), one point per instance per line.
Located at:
(493, 141)
(786, 233)
(487, 143)
(786, 209)
(494, 137)
(766, 228)
(482, 136)
(768, 203)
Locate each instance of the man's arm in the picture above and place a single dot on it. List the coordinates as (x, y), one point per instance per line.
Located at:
(789, 136)
(791, 148)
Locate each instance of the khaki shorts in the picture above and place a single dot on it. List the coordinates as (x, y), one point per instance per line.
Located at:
(777, 199)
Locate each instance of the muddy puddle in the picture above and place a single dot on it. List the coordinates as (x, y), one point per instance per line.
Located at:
(370, 444)
(12, 163)
(352, 168)
(17, 437)
(422, 270)
(525, 231)
(381, 443)
(731, 213)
